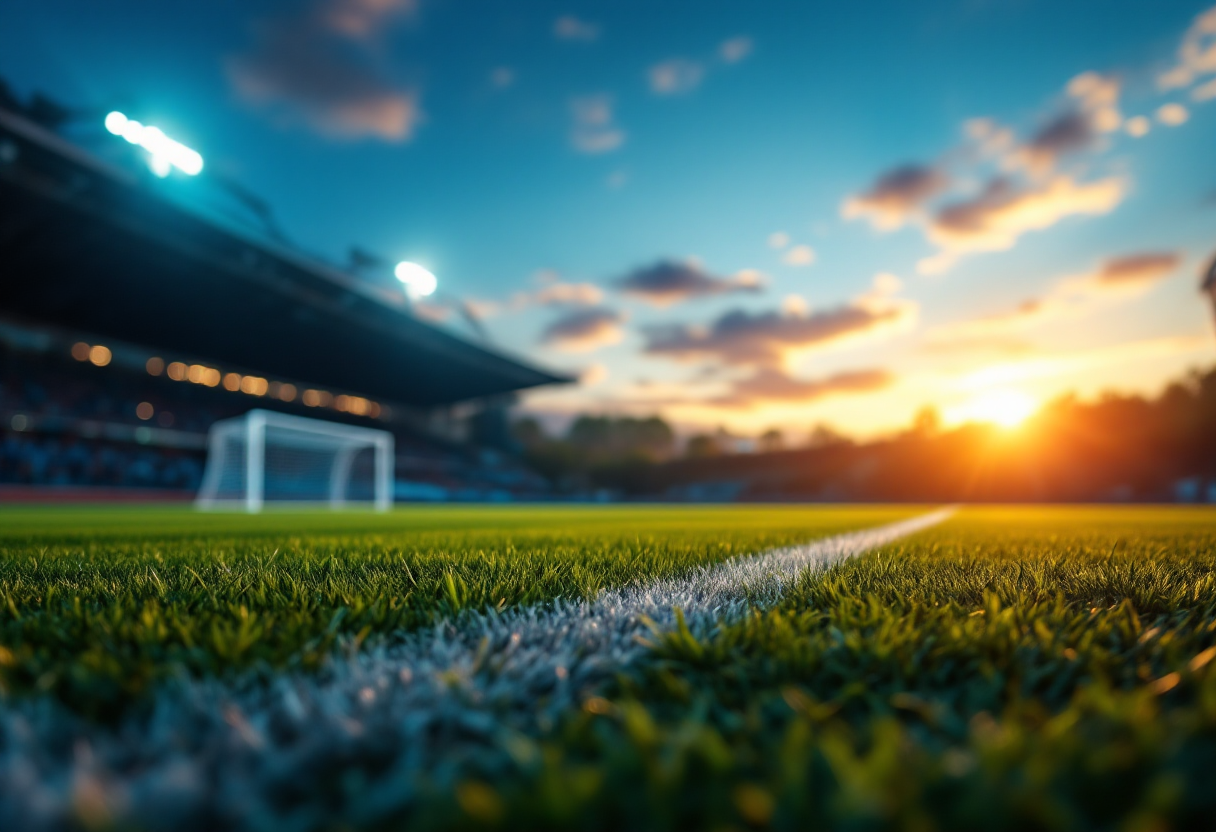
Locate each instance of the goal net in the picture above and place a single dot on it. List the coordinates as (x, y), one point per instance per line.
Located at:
(270, 458)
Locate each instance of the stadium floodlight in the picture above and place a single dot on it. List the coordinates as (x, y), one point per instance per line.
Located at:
(418, 281)
(165, 151)
(266, 457)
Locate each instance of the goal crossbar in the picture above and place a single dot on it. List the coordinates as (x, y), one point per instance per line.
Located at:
(238, 449)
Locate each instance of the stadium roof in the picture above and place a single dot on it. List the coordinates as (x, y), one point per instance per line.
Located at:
(95, 247)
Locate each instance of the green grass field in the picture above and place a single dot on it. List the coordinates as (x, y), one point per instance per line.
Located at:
(96, 605)
(1012, 668)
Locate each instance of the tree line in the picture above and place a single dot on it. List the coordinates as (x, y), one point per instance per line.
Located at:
(1118, 447)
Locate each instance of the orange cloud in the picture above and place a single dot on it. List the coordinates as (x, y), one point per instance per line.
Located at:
(1124, 276)
(361, 18)
(315, 67)
(1204, 92)
(584, 330)
(552, 294)
(1136, 269)
(1093, 110)
(770, 385)
(799, 256)
(768, 338)
(1173, 114)
(994, 219)
(1196, 55)
(897, 196)
(668, 282)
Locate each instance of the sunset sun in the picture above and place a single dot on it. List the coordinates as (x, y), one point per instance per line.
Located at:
(1005, 408)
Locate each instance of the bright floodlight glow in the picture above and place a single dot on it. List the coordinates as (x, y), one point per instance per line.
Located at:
(418, 281)
(115, 122)
(165, 151)
(133, 132)
(160, 165)
(1006, 408)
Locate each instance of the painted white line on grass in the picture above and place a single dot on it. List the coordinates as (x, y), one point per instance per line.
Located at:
(353, 745)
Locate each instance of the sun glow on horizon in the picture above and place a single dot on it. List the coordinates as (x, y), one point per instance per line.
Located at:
(1005, 408)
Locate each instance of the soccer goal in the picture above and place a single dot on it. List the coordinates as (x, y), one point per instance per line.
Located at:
(266, 458)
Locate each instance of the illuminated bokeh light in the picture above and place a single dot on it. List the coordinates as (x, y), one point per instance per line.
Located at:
(237, 383)
(418, 281)
(100, 355)
(254, 386)
(165, 152)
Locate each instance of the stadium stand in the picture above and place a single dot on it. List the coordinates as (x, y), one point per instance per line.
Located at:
(134, 313)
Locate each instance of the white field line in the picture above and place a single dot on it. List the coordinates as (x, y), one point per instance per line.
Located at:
(439, 704)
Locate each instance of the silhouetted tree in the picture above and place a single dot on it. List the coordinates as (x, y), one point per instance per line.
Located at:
(771, 440)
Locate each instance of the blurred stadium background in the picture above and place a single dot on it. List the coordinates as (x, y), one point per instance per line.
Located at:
(135, 314)
(143, 299)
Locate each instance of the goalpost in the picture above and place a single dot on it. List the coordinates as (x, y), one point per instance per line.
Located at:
(267, 457)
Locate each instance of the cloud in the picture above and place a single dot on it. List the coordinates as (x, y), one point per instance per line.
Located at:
(569, 27)
(675, 76)
(1138, 126)
(361, 18)
(317, 67)
(1196, 55)
(667, 282)
(778, 240)
(771, 385)
(1096, 94)
(799, 256)
(736, 49)
(565, 294)
(1066, 363)
(1093, 110)
(594, 129)
(592, 375)
(1204, 92)
(767, 338)
(553, 293)
(796, 306)
(1009, 205)
(988, 139)
(584, 330)
(1173, 114)
(897, 196)
(1136, 269)
(1116, 278)
(1002, 212)
(987, 327)
(1064, 134)
(885, 285)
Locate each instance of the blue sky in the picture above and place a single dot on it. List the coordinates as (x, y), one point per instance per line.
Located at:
(860, 209)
